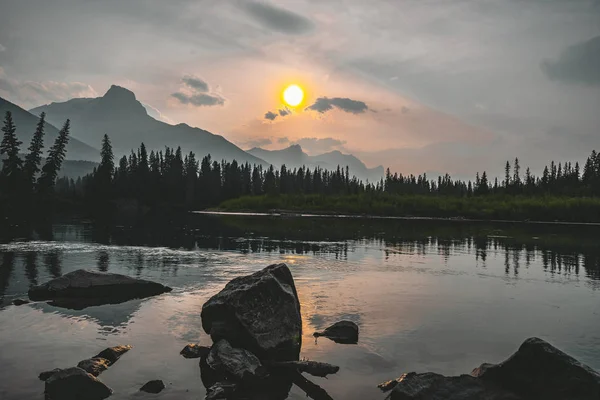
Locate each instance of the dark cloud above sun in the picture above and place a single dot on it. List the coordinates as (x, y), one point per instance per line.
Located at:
(278, 19)
(324, 104)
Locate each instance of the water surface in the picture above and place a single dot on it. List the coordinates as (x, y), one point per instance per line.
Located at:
(435, 296)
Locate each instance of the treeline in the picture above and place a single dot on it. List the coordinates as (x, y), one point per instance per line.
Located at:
(557, 180)
(27, 180)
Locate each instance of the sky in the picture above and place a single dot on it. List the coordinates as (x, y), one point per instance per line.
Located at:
(415, 85)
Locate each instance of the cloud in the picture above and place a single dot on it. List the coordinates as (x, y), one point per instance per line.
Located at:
(315, 145)
(2, 48)
(156, 114)
(577, 64)
(270, 115)
(283, 140)
(278, 19)
(31, 93)
(324, 104)
(405, 110)
(198, 93)
(196, 83)
(284, 111)
(257, 142)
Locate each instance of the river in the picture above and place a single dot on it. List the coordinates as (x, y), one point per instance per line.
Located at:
(441, 296)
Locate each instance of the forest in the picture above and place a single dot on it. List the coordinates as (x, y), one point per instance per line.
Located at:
(167, 178)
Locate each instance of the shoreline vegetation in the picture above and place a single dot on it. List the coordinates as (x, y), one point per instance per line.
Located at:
(163, 183)
(500, 208)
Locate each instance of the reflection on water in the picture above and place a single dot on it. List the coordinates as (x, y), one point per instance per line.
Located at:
(428, 295)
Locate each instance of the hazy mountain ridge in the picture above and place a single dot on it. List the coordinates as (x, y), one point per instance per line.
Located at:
(26, 123)
(294, 157)
(120, 115)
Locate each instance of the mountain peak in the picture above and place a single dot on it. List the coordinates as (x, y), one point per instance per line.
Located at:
(119, 92)
(121, 101)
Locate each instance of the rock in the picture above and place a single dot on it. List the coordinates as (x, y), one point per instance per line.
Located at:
(430, 386)
(82, 288)
(539, 370)
(112, 354)
(75, 384)
(345, 332)
(20, 302)
(238, 363)
(47, 374)
(258, 312)
(221, 390)
(194, 351)
(314, 368)
(94, 366)
(155, 386)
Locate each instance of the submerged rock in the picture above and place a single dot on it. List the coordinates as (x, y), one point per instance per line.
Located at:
(112, 354)
(82, 288)
(258, 312)
(221, 390)
(20, 302)
(238, 363)
(155, 386)
(540, 370)
(75, 384)
(94, 366)
(194, 351)
(345, 332)
(314, 368)
(430, 386)
(43, 376)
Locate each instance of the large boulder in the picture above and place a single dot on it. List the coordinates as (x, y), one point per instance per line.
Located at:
(539, 370)
(83, 288)
(75, 384)
(430, 386)
(345, 332)
(240, 364)
(258, 312)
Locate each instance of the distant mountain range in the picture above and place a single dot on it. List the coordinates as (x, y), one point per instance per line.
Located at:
(26, 123)
(294, 157)
(120, 115)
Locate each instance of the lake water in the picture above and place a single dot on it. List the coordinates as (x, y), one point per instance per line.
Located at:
(435, 296)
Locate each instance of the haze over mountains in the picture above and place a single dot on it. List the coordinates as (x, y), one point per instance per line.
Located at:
(26, 123)
(294, 157)
(120, 115)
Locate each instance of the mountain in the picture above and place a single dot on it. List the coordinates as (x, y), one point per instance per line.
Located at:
(120, 115)
(295, 157)
(26, 123)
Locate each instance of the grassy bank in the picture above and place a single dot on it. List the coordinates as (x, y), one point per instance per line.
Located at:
(574, 209)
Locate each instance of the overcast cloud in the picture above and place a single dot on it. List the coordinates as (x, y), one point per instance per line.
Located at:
(522, 77)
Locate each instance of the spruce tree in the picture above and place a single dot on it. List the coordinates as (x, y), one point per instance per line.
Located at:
(9, 148)
(34, 157)
(56, 156)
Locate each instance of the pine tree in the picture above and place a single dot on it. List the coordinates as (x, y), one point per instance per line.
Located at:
(9, 148)
(34, 157)
(507, 175)
(56, 156)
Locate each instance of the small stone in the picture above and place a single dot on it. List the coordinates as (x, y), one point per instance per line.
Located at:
(75, 384)
(345, 332)
(47, 374)
(94, 366)
(155, 386)
(20, 302)
(194, 351)
(112, 354)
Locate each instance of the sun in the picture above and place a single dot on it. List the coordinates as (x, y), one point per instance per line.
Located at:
(293, 95)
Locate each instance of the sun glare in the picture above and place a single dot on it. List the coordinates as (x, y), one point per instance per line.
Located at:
(293, 95)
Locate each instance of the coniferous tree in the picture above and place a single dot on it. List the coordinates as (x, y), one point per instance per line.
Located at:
(9, 148)
(34, 157)
(56, 156)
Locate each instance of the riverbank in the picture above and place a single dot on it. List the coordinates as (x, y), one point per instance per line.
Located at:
(507, 208)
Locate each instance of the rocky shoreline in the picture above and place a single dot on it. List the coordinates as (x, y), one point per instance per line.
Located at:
(255, 325)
